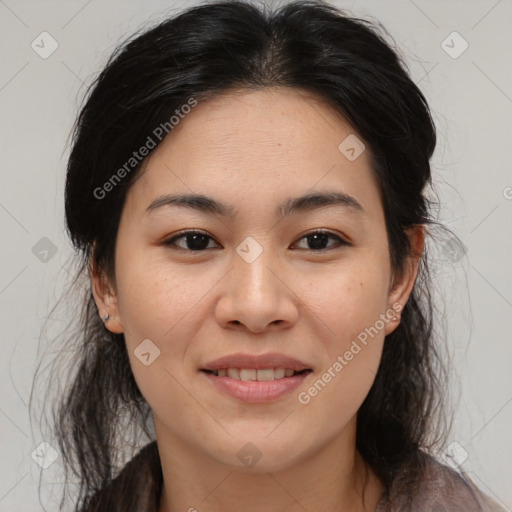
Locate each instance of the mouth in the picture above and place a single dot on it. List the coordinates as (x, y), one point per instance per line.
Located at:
(252, 374)
(256, 378)
(252, 385)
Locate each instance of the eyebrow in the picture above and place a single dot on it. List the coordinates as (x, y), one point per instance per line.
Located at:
(307, 202)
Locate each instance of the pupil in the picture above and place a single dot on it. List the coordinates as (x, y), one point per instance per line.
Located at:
(197, 243)
(319, 240)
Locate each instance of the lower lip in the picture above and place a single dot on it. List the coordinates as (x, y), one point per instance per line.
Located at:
(254, 391)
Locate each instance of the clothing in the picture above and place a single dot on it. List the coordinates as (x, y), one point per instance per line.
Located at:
(138, 487)
(442, 490)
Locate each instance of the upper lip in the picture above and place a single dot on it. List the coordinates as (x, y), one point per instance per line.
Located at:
(257, 362)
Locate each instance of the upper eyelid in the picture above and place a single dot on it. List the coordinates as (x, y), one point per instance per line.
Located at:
(168, 241)
(342, 239)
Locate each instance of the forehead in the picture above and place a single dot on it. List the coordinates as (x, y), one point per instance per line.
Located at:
(249, 144)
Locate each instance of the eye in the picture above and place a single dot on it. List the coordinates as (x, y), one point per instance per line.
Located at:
(197, 241)
(318, 239)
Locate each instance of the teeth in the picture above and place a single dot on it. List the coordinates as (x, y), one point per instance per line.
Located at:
(233, 373)
(248, 374)
(279, 373)
(263, 375)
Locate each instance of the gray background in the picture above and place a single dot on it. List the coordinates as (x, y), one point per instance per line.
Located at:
(471, 100)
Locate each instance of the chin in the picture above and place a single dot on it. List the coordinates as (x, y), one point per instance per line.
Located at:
(261, 455)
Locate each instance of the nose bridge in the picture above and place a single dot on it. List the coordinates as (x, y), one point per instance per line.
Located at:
(255, 294)
(252, 265)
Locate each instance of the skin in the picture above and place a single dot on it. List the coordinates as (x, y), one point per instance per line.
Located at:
(252, 150)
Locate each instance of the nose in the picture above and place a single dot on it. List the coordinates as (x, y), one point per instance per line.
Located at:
(257, 295)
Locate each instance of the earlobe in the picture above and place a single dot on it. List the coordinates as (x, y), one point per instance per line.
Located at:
(105, 299)
(403, 286)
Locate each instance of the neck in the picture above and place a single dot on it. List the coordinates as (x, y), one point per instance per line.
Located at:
(334, 478)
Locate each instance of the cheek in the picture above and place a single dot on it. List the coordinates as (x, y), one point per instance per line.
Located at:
(163, 306)
(167, 306)
(352, 307)
(351, 298)
(154, 298)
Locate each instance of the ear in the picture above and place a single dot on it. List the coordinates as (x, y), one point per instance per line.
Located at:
(105, 299)
(402, 285)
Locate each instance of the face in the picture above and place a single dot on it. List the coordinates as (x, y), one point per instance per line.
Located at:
(256, 280)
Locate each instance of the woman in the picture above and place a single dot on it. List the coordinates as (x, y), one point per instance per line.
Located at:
(246, 187)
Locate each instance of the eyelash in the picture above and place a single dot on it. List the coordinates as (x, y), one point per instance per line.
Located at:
(183, 234)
